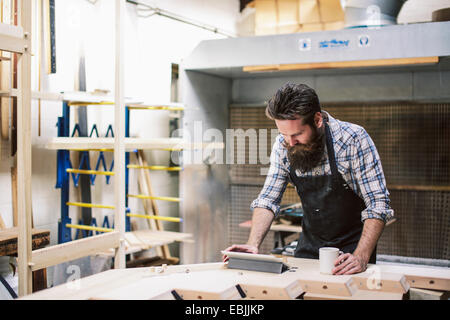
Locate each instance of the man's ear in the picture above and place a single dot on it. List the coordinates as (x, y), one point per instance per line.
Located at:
(318, 119)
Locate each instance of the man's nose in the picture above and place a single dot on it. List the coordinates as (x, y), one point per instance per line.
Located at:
(292, 142)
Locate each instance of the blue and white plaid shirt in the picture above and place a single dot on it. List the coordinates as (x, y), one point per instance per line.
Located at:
(357, 160)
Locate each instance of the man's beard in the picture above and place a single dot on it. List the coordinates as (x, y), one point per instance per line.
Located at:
(305, 157)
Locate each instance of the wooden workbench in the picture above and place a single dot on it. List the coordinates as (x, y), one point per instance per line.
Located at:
(214, 281)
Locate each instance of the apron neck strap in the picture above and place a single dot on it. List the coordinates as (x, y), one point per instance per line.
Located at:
(330, 149)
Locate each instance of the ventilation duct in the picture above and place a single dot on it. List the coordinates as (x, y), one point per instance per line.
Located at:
(371, 13)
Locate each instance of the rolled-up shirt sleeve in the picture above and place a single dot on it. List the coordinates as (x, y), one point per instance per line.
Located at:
(369, 177)
(276, 182)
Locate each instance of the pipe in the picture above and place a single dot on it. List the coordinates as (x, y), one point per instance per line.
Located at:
(179, 18)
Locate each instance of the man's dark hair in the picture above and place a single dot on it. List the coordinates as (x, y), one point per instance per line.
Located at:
(293, 101)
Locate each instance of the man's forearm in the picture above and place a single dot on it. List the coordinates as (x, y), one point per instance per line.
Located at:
(261, 222)
(371, 233)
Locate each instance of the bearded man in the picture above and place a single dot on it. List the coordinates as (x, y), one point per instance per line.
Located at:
(337, 173)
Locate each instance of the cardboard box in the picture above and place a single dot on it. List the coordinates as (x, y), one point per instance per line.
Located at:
(291, 16)
(338, 25)
(312, 27)
(308, 11)
(288, 16)
(266, 14)
(331, 11)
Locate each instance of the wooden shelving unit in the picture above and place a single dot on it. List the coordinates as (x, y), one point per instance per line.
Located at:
(17, 39)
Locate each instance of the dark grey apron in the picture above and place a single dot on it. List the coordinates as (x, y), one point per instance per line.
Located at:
(331, 211)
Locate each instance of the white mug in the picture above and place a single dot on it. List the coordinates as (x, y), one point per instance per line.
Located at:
(327, 257)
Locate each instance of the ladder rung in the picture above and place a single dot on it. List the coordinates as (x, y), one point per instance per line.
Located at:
(156, 168)
(141, 196)
(89, 228)
(101, 173)
(171, 219)
(89, 205)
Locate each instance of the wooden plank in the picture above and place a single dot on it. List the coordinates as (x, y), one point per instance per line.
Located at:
(40, 28)
(358, 295)
(381, 281)
(15, 59)
(422, 277)
(119, 138)
(433, 278)
(36, 95)
(131, 144)
(347, 285)
(147, 283)
(8, 240)
(24, 152)
(417, 277)
(315, 282)
(11, 38)
(2, 223)
(108, 143)
(344, 64)
(5, 73)
(91, 286)
(159, 287)
(190, 286)
(54, 255)
(206, 290)
(14, 195)
(422, 294)
(263, 285)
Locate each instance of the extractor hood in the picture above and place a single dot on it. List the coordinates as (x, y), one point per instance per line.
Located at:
(401, 45)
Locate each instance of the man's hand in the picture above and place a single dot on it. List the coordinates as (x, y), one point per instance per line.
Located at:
(240, 248)
(348, 263)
